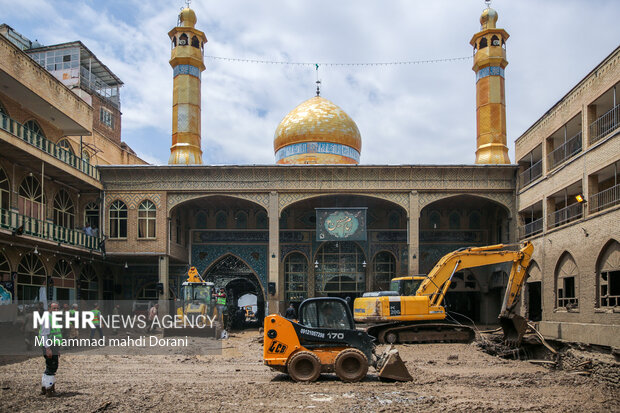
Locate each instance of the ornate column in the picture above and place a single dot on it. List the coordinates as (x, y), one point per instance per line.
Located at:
(274, 254)
(413, 233)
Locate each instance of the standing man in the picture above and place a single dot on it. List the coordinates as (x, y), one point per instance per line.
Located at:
(51, 340)
(152, 316)
(291, 314)
(221, 304)
(97, 322)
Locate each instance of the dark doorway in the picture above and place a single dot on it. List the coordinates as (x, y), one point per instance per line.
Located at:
(463, 303)
(534, 301)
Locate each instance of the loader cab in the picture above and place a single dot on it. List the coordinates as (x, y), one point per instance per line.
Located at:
(197, 292)
(326, 312)
(406, 285)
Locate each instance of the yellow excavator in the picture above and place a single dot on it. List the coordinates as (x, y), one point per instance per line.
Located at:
(196, 316)
(412, 311)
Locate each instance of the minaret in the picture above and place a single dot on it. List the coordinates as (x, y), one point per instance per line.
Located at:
(489, 64)
(187, 64)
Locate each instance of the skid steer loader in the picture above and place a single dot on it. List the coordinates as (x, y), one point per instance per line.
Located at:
(324, 340)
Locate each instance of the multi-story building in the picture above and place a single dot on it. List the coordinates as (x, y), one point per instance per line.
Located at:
(569, 207)
(52, 137)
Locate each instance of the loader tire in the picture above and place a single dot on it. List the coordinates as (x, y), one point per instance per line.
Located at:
(351, 365)
(304, 367)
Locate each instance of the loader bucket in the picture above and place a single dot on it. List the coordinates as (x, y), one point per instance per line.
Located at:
(391, 367)
(514, 327)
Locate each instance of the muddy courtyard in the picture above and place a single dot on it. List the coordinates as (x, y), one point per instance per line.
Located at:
(447, 377)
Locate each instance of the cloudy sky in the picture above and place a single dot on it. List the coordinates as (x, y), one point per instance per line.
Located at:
(410, 114)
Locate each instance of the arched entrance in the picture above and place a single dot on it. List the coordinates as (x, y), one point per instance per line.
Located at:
(340, 270)
(238, 280)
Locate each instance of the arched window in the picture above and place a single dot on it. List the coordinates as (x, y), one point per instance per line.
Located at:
(474, 220)
(567, 282)
(5, 271)
(340, 269)
(296, 277)
(63, 275)
(385, 269)
(221, 219)
(91, 214)
(31, 201)
(5, 191)
(195, 42)
(89, 283)
(608, 274)
(201, 220)
(241, 220)
(183, 40)
(455, 220)
(174, 41)
(32, 127)
(64, 211)
(261, 220)
(85, 156)
(118, 219)
(147, 218)
(435, 220)
(31, 275)
(64, 144)
(495, 41)
(394, 220)
(483, 43)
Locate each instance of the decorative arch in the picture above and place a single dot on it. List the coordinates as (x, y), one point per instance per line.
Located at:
(31, 201)
(262, 221)
(483, 43)
(384, 269)
(241, 220)
(176, 200)
(201, 220)
(31, 270)
(221, 219)
(295, 277)
(286, 200)
(608, 275)
(64, 209)
(66, 145)
(5, 264)
(33, 127)
(63, 274)
(567, 282)
(89, 283)
(183, 40)
(533, 272)
(454, 220)
(241, 260)
(504, 199)
(195, 42)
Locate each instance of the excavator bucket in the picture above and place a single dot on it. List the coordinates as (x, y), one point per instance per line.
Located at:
(391, 367)
(514, 327)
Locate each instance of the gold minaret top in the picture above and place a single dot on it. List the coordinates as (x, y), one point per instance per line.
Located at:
(489, 64)
(187, 64)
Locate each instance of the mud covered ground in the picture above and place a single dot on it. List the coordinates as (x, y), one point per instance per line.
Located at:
(447, 377)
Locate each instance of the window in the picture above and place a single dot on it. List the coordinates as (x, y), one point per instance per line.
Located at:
(33, 128)
(31, 201)
(118, 220)
(326, 314)
(3, 110)
(241, 220)
(91, 214)
(609, 276)
(435, 220)
(61, 59)
(566, 282)
(195, 42)
(385, 270)
(183, 40)
(64, 211)
(89, 284)
(106, 117)
(341, 269)
(146, 220)
(201, 220)
(30, 276)
(483, 43)
(4, 190)
(85, 156)
(220, 220)
(63, 275)
(261, 220)
(296, 277)
(495, 41)
(64, 144)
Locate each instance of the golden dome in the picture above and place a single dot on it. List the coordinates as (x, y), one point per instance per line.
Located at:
(488, 18)
(187, 17)
(315, 122)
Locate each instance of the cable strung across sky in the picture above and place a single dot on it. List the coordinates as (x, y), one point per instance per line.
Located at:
(275, 62)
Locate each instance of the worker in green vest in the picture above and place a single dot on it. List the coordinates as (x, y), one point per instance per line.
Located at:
(220, 301)
(51, 339)
(96, 322)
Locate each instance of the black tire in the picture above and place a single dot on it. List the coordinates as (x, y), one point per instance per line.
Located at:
(391, 337)
(304, 367)
(351, 365)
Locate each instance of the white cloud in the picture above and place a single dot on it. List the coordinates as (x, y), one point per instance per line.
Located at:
(406, 114)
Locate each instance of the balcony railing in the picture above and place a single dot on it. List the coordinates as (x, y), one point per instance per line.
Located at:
(530, 173)
(17, 129)
(564, 215)
(564, 151)
(605, 124)
(47, 230)
(605, 199)
(531, 228)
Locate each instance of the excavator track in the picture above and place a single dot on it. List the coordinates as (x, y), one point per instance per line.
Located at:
(418, 333)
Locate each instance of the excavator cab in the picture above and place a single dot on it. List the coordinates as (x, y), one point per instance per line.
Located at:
(406, 285)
